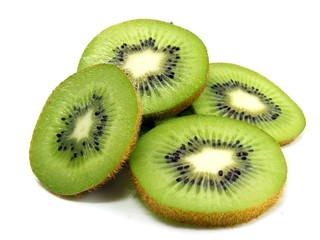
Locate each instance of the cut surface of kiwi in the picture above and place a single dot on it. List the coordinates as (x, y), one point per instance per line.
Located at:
(237, 92)
(85, 131)
(167, 64)
(209, 171)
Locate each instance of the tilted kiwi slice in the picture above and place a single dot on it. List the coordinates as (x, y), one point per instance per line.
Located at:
(85, 131)
(167, 64)
(240, 93)
(207, 170)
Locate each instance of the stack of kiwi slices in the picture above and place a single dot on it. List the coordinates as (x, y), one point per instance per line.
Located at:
(203, 140)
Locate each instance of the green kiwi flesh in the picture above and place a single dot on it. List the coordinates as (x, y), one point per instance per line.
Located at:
(208, 171)
(237, 92)
(85, 131)
(167, 64)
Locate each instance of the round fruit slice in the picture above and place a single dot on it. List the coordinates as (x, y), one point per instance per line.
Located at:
(209, 171)
(240, 93)
(167, 64)
(85, 131)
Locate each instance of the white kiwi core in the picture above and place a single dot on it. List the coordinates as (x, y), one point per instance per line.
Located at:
(211, 160)
(83, 126)
(247, 102)
(141, 63)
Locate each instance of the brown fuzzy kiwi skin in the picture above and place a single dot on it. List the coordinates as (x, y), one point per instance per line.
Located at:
(178, 108)
(283, 143)
(122, 162)
(130, 147)
(126, 155)
(206, 220)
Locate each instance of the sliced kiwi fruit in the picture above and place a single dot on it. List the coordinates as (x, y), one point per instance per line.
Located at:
(167, 64)
(207, 170)
(237, 92)
(86, 130)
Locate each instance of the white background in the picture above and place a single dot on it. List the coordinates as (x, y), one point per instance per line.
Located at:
(40, 45)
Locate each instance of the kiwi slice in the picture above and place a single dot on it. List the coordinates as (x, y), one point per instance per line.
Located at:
(207, 170)
(237, 92)
(85, 131)
(167, 64)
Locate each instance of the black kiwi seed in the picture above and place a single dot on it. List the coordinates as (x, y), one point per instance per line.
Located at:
(234, 178)
(223, 177)
(200, 181)
(211, 182)
(223, 185)
(149, 82)
(71, 145)
(179, 179)
(220, 91)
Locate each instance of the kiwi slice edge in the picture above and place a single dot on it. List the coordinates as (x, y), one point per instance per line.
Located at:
(205, 219)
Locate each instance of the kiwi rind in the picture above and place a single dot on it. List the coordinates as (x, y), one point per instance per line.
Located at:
(170, 200)
(86, 174)
(290, 120)
(205, 219)
(187, 84)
